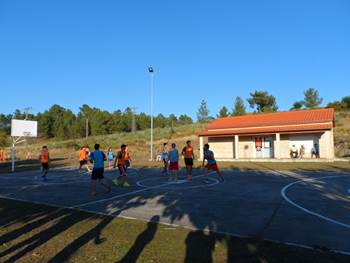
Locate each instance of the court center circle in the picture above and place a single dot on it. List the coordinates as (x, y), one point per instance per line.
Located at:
(172, 185)
(306, 210)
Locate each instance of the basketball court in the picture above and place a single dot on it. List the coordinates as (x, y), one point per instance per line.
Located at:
(309, 209)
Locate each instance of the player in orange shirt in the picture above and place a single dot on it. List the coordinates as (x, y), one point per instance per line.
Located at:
(83, 158)
(127, 158)
(44, 158)
(188, 155)
(120, 162)
(2, 155)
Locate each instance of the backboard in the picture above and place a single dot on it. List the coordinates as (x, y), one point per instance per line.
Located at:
(24, 128)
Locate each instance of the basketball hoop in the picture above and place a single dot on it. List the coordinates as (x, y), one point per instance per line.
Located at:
(20, 130)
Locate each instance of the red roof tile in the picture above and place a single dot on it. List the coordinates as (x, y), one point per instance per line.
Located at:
(303, 120)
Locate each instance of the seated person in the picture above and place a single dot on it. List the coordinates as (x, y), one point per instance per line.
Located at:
(293, 152)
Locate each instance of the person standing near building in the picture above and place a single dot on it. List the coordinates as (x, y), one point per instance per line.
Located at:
(97, 158)
(211, 164)
(173, 162)
(187, 153)
(302, 151)
(44, 158)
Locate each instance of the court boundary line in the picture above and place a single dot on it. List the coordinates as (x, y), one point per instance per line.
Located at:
(306, 210)
(342, 252)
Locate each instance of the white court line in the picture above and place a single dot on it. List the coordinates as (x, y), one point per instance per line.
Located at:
(284, 190)
(215, 182)
(131, 193)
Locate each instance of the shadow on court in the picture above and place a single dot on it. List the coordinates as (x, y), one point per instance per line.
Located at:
(249, 204)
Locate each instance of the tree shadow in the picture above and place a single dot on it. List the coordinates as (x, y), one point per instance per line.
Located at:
(199, 247)
(141, 241)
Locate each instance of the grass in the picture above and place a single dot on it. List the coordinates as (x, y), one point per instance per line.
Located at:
(37, 233)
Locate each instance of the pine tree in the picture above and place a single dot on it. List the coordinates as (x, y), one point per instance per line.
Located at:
(238, 107)
(203, 112)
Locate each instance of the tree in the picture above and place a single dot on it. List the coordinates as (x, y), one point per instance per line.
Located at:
(4, 138)
(346, 101)
(238, 107)
(203, 112)
(297, 105)
(223, 112)
(312, 98)
(262, 101)
(184, 119)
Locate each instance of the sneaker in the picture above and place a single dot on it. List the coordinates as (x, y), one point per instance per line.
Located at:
(115, 181)
(126, 185)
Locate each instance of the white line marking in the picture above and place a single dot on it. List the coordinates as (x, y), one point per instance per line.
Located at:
(284, 190)
(130, 193)
(214, 182)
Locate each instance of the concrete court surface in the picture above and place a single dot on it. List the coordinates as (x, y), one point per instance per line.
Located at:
(303, 208)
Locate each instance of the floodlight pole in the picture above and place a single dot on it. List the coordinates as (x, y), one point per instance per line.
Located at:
(151, 71)
(87, 128)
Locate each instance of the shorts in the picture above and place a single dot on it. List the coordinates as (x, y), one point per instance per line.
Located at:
(189, 161)
(127, 163)
(45, 166)
(213, 167)
(122, 169)
(174, 166)
(83, 162)
(97, 174)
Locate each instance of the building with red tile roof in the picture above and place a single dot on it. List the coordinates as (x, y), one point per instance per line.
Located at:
(280, 135)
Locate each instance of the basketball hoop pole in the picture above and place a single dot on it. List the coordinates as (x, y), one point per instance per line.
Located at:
(13, 154)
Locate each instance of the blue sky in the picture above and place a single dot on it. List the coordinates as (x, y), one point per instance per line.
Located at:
(73, 52)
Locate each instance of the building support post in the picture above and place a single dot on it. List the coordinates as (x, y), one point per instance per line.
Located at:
(277, 148)
(201, 145)
(236, 146)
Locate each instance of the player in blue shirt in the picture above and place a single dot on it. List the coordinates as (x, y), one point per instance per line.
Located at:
(98, 158)
(173, 156)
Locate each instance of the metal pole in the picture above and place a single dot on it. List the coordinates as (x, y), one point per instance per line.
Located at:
(152, 91)
(87, 128)
(13, 155)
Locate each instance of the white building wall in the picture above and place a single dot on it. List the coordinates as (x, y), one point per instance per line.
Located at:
(222, 147)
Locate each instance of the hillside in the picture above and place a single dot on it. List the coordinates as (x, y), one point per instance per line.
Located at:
(65, 152)
(342, 134)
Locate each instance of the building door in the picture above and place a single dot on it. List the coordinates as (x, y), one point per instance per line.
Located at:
(264, 147)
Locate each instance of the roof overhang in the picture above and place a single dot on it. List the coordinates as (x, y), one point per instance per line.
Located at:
(312, 127)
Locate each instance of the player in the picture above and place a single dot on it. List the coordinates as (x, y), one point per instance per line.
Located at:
(127, 158)
(211, 164)
(98, 158)
(83, 158)
(110, 155)
(120, 162)
(165, 157)
(44, 158)
(173, 162)
(187, 153)
(2, 155)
